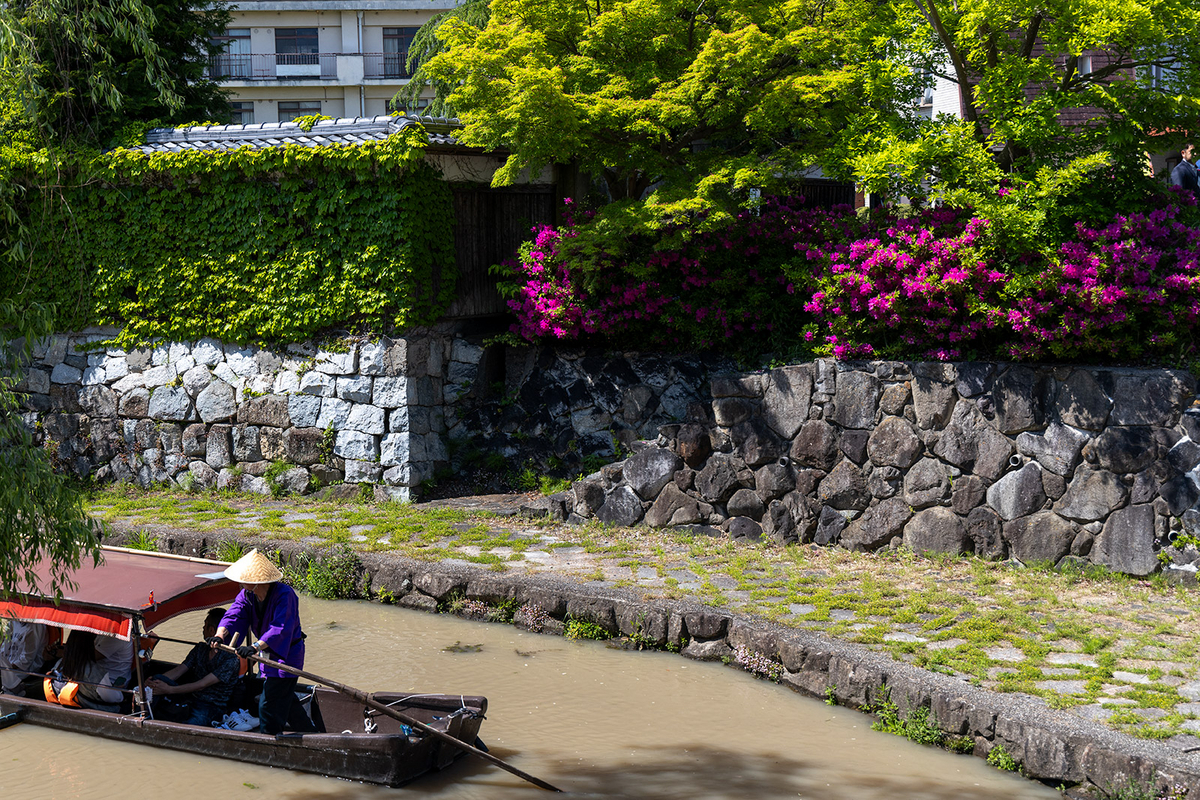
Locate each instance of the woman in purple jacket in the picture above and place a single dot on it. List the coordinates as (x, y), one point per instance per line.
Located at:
(269, 610)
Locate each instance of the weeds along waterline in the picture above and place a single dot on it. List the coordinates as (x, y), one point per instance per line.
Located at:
(1123, 647)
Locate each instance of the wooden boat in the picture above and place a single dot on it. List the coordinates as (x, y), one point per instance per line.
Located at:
(132, 591)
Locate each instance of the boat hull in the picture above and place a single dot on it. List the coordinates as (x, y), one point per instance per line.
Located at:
(387, 756)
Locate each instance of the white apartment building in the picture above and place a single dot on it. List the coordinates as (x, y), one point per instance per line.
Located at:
(341, 58)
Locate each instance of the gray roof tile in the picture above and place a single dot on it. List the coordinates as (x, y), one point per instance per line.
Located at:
(346, 131)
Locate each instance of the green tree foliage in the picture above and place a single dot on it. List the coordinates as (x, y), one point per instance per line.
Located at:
(1036, 122)
(83, 69)
(703, 98)
(427, 44)
(41, 516)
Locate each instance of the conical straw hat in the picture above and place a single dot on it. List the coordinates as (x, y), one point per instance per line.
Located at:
(253, 567)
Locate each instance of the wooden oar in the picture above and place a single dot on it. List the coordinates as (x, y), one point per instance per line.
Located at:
(371, 702)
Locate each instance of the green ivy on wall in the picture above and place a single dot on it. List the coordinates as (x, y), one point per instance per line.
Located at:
(274, 244)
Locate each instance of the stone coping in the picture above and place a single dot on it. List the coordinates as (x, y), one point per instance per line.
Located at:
(1054, 747)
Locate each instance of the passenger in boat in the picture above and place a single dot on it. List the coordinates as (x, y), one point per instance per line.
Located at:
(21, 654)
(116, 656)
(82, 678)
(270, 610)
(215, 673)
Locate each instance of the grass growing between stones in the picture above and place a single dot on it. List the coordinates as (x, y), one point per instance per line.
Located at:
(1103, 645)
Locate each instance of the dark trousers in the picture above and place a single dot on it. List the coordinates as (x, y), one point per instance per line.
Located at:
(278, 708)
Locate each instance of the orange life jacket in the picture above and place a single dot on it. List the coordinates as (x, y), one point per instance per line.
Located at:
(66, 696)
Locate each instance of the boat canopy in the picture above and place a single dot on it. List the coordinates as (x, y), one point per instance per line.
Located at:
(127, 584)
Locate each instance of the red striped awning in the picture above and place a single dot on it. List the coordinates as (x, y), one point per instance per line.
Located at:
(126, 584)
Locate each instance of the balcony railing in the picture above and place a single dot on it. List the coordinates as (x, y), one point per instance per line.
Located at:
(272, 66)
(385, 65)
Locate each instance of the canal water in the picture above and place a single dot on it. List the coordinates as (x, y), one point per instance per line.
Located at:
(595, 721)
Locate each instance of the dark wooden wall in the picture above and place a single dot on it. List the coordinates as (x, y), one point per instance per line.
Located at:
(490, 224)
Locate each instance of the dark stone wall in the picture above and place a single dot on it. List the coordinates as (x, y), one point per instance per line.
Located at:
(1001, 460)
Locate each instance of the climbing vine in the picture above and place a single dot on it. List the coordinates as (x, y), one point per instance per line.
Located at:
(273, 244)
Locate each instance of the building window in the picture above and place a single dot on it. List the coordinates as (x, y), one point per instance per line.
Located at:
(241, 113)
(1084, 65)
(231, 54)
(396, 42)
(402, 108)
(295, 46)
(290, 109)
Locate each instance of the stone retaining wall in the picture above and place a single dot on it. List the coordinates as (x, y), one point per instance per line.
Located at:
(211, 414)
(553, 408)
(1039, 464)
(1051, 746)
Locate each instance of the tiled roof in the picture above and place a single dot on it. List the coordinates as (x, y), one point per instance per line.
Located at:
(356, 130)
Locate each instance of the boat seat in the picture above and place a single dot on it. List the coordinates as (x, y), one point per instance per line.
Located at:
(337, 712)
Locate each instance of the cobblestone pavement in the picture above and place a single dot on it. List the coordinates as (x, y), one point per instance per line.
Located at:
(1106, 647)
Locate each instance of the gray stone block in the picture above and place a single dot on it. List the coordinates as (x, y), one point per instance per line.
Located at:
(815, 446)
(856, 400)
(171, 403)
(355, 388)
(246, 443)
(1018, 493)
(356, 445)
(1150, 398)
(362, 471)
(746, 503)
(787, 395)
(844, 488)
(219, 449)
(367, 419)
(1082, 403)
(937, 530)
(208, 352)
(1018, 398)
(926, 484)
(303, 445)
(65, 374)
(1043, 536)
(720, 478)
(1059, 449)
(318, 384)
(1092, 495)
(878, 525)
(1127, 542)
(1123, 450)
(622, 508)
(650, 470)
(894, 443)
(671, 503)
(303, 410)
(271, 410)
(334, 413)
(394, 449)
(216, 402)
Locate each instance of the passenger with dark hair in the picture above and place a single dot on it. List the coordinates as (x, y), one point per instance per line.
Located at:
(213, 674)
(1184, 175)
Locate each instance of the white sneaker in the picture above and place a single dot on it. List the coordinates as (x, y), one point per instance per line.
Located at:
(226, 722)
(245, 722)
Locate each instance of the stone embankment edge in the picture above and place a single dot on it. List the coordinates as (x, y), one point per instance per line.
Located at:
(1054, 747)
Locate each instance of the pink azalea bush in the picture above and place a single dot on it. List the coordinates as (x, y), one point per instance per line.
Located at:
(935, 284)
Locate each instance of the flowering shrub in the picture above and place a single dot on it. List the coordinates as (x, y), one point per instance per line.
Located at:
(532, 617)
(757, 663)
(721, 288)
(935, 284)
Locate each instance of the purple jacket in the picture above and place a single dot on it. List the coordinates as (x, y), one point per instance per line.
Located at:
(276, 622)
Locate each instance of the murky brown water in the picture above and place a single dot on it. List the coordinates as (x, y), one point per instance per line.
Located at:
(592, 720)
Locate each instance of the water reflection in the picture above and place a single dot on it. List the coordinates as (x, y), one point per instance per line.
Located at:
(595, 721)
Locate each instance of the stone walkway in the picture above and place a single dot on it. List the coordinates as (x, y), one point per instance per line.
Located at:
(1105, 647)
